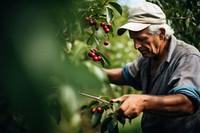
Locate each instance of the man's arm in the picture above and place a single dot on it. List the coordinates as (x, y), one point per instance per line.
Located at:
(115, 76)
(174, 105)
(177, 104)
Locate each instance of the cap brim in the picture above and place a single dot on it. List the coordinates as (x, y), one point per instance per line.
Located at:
(132, 27)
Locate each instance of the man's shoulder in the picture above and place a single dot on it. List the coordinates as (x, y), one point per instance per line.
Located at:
(186, 49)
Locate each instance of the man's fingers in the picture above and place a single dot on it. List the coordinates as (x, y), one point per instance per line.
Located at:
(120, 99)
(117, 100)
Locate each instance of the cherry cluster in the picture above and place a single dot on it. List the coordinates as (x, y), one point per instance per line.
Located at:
(106, 27)
(95, 56)
(98, 109)
(92, 22)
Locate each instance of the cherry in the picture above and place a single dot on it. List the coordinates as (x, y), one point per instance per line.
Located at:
(93, 110)
(102, 24)
(107, 30)
(105, 27)
(94, 22)
(106, 43)
(99, 110)
(92, 54)
(99, 58)
(109, 25)
(91, 23)
(94, 50)
(95, 58)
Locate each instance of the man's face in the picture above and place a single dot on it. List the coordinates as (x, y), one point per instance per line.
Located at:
(147, 44)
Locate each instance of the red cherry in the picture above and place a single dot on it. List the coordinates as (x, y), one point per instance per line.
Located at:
(92, 54)
(109, 25)
(107, 30)
(95, 58)
(106, 43)
(102, 24)
(105, 27)
(93, 110)
(94, 22)
(91, 23)
(99, 58)
(99, 110)
(94, 50)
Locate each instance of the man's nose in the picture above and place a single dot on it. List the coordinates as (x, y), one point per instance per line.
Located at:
(137, 45)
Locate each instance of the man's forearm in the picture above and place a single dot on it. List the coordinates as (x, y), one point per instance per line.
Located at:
(177, 104)
(115, 76)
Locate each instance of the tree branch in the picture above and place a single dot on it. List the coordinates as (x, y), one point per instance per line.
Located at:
(94, 97)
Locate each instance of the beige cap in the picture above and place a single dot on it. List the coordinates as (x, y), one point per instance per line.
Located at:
(142, 16)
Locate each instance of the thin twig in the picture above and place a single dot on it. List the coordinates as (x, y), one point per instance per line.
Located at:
(104, 3)
(94, 97)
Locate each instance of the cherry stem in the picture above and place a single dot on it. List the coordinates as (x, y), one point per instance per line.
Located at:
(104, 3)
(94, 97)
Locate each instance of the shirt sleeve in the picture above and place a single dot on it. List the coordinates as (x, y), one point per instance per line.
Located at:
(185, 79)
(127, 76)
(190, 91)
(131, 73)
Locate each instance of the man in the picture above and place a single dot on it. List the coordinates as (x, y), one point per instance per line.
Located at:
(167, 71)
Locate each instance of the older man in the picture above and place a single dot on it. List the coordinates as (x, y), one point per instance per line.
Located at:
(167, 71)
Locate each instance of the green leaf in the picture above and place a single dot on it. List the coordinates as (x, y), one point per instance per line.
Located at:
(55, 111)
(104, 125)
(187, 23)
(104, 58)
(93, 102)
(109, 14)
(84, 107)
(105, 107)
(116, 105)
(79, 49)
(96, 119)
(117, 7)
(102, 62)
(96, 40)
(90, 40)
(70, 72)
(113, 128)
(121, 119)
(106, 98)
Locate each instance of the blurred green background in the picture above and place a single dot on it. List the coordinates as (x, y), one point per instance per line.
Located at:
(44, 60)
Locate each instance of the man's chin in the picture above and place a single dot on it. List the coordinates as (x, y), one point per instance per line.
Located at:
(147, 56)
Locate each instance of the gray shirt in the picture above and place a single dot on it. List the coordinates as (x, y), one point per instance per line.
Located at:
(178, 73)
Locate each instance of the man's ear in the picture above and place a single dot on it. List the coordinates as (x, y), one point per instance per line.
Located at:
(162, 33)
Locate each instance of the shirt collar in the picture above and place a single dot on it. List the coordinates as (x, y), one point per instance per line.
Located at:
(172, 46)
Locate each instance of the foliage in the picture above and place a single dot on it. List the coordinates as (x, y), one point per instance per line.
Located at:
(107, 117)
(183, 16)
(45, 62)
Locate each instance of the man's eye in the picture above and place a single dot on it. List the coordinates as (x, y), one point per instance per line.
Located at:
(142, 39)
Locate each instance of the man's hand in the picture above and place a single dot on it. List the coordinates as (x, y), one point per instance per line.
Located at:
(132, 105)
(173, 105)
